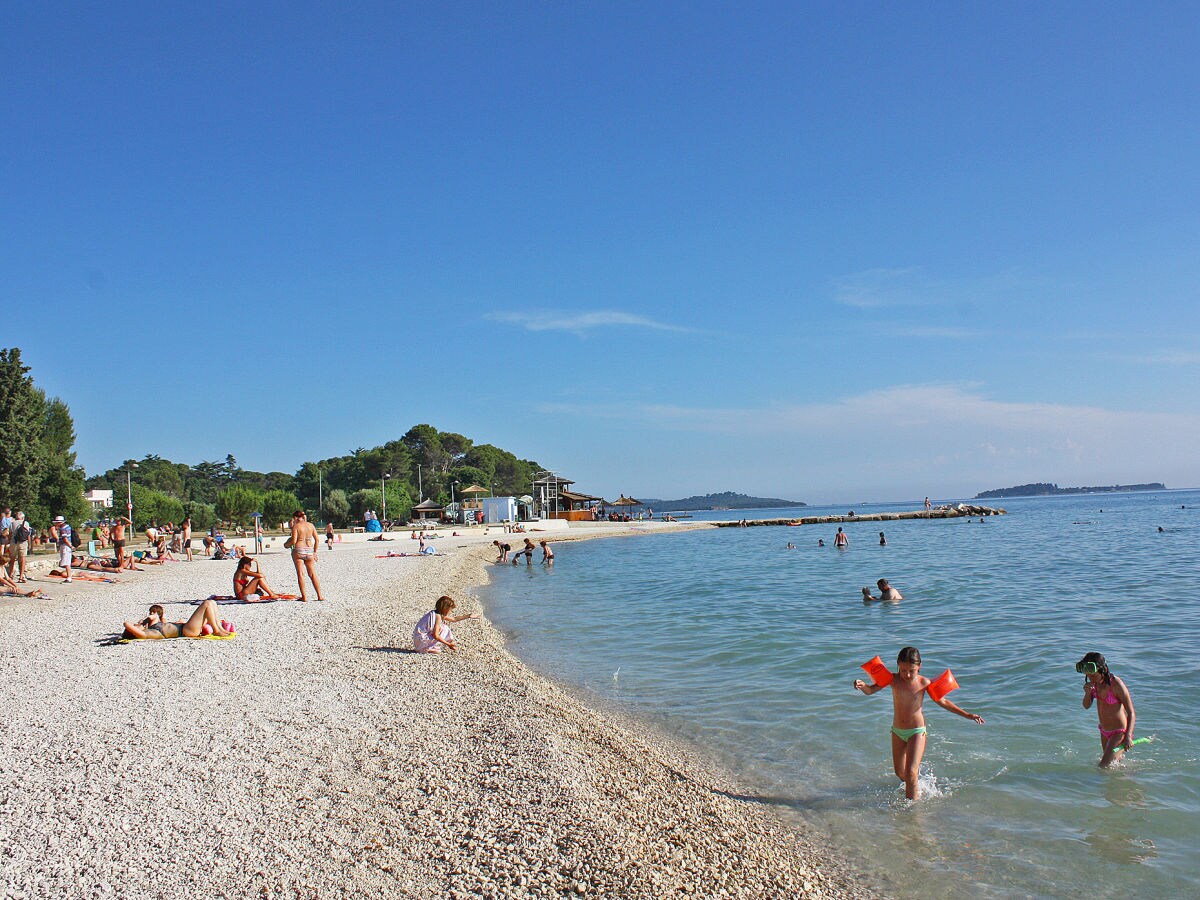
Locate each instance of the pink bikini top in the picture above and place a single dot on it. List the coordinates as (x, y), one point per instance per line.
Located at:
(1110, 698)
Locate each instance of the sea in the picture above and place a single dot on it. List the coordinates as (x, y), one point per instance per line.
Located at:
(747, 650)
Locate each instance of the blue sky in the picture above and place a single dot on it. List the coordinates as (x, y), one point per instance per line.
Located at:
(821, 251)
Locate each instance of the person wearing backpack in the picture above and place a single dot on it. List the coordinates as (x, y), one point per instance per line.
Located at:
(22, 535)
(64, 538)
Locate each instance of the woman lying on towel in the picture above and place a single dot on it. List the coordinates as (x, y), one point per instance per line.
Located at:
(102, 563)
(248, 582)
(204, 621)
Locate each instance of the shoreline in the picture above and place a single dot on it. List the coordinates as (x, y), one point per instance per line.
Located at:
(315, 756)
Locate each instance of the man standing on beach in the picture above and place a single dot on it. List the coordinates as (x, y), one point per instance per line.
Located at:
(60, 533)
(118, 538)
(304, 552)
(22, 534)
(186, 537)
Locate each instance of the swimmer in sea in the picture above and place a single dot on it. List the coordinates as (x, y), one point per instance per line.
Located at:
(908, 719)
(547, 554)
(887, 593)
(1113, 704)
(820, 542)
(882, 540)
(840, 540)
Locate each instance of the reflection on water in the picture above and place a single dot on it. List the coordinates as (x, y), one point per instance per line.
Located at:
(734, 643)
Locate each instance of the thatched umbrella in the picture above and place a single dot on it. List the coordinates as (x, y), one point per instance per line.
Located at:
(625, 501)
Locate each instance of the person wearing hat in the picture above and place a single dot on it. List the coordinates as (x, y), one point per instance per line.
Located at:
(60, 533)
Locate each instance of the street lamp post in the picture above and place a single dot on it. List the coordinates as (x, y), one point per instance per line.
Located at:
(320, 492)
(383, 490)
(129, 493)
(420, 487)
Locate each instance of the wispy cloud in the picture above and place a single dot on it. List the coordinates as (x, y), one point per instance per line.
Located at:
(1166, 358)
(877, 289)
(939, 431)
(945, 332)
(581, 323)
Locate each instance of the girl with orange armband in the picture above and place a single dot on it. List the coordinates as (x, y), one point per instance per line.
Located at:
(909, 688)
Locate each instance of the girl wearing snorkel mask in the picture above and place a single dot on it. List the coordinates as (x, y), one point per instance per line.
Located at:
(1113, 703)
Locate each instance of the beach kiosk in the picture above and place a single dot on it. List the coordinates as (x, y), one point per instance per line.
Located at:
(499, 510)
(555, 500)
(429, 509)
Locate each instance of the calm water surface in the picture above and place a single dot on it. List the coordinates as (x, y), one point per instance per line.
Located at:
(730, 641)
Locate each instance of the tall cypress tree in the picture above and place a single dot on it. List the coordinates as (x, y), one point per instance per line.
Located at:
(61, 492)
(22, 424)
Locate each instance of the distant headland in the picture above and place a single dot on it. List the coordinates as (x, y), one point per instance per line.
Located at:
(725, 500)
(1042, 489)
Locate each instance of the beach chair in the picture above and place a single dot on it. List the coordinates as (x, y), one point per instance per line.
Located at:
(94, 551)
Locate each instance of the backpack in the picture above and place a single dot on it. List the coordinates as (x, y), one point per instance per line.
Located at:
(76, 540)
(24, 532)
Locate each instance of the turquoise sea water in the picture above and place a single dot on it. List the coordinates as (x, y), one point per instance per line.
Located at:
(729, 641)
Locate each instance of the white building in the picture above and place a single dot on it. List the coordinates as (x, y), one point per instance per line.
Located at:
(99, 499)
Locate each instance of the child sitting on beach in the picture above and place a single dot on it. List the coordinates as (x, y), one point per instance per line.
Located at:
(908, 720)
(1114, 706)
(433, 631)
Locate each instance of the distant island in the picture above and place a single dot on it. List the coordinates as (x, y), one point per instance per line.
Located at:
(1042, 489)
(726, 500)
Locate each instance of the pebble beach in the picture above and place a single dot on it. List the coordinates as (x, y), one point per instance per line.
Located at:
(314, 755)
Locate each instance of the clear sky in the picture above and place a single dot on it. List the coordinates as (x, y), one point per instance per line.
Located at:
(828, 252)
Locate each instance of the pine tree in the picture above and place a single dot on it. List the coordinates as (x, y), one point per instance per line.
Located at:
(22, 424)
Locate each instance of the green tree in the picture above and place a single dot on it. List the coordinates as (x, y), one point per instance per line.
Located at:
(235, 503)
(151, 506)
(61, 491)
(204, 515)
(278, 506)
(22, 422)
(336, 508)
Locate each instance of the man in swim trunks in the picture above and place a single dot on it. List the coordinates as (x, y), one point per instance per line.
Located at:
(118, 537)
(186, 538)
(840, 540)
(304, 552)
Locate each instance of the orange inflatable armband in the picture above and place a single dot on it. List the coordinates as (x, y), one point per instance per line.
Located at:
(880, 674)
(942, 685)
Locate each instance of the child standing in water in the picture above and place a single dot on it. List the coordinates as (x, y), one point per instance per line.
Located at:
(908, 719)
(1115, 706)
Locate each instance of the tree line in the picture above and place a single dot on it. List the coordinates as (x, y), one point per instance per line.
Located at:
(39, 473)
(423, 464)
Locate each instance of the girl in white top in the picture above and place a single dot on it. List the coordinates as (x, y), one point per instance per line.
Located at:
(433, 631)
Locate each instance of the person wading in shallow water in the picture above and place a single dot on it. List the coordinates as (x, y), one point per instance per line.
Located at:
(840, 540)
(304, 553)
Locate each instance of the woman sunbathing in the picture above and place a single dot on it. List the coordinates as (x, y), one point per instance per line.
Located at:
(102, 563)
(249, 584)
(155, 627)
(8, 586)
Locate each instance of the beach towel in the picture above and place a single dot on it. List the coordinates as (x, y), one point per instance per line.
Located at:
(203, 637)
(81, 575)
(227, 600)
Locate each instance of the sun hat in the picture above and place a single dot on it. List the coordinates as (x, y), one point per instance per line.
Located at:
(58, 519)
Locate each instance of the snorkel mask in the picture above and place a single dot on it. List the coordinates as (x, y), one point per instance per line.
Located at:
(1087, 668)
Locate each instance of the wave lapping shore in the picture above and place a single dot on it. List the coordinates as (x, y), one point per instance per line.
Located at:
(314, 756)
